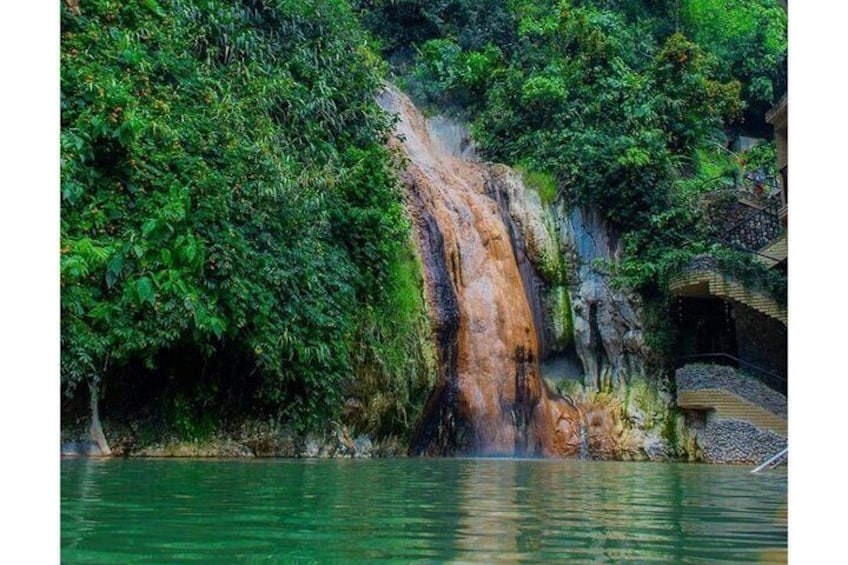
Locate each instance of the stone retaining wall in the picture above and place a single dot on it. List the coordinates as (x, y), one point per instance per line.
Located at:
(731, 441)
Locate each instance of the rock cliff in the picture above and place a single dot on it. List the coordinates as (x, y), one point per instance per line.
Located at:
(510, 281)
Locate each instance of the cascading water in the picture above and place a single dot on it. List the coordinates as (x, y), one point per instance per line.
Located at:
(490, 398)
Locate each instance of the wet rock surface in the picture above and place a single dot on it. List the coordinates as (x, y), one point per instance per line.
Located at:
(608, 322)
(490, 398)
(635, 422)
(247, 440)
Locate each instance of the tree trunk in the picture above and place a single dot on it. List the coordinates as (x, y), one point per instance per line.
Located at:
(96, 430)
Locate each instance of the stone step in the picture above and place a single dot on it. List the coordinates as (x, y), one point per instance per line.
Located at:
(729, 406)
(775, 251)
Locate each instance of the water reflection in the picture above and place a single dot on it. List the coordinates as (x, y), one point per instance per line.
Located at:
(611, 512)
(422, 510)
(84, 490)
(491, 527)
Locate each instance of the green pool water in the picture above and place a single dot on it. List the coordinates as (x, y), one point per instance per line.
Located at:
(418, 511)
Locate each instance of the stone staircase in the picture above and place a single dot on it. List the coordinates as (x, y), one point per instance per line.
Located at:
(706, 281)
(729, 406)
(741, 419)
(760, 231)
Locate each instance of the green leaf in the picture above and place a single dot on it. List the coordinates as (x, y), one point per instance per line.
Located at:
(113, 271)
(154, 7)
(125, 134)
(147, 227)
(190, 250)
(217, 327)
(144, 290)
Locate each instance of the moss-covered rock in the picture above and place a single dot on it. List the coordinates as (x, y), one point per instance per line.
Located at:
(561, 319)
(636, 421)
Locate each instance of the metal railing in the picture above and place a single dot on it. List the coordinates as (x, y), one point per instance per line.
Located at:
(761, 195)
(769, 378)
(773, 461)
(757, 229)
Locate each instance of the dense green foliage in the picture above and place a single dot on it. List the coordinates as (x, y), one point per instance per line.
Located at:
(227, 198)
(403, 25)
(628, 104)
(232, 234)
(749, 42)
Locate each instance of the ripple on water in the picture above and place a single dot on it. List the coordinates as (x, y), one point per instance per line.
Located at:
(424, 510)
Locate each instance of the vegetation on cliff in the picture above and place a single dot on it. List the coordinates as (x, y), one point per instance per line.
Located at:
(232, 236)
(629, 105)
(233, 241)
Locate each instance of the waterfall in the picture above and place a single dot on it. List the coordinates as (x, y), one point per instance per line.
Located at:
(490, 398)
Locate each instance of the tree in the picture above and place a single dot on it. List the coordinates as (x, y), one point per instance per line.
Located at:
(226, 193)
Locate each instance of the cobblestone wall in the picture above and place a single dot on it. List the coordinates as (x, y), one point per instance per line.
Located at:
(731, 441)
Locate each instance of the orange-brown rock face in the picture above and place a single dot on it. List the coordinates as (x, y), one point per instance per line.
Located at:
(490, 399)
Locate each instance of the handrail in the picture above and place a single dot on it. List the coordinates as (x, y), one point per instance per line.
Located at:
(757, 229)
(758, 185)
(748, 217)
(732, 358)
(761, 226)
(772, 461)
(740, 363)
